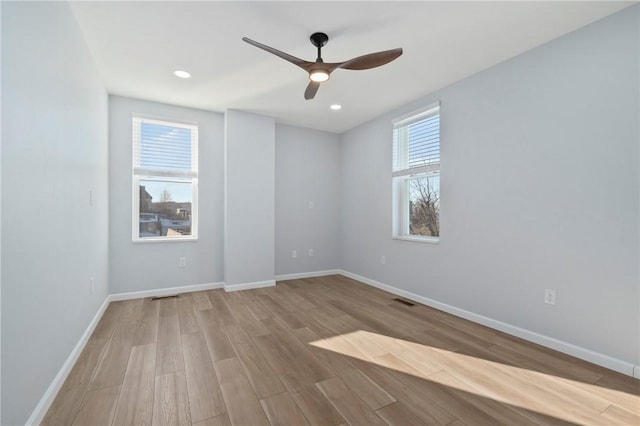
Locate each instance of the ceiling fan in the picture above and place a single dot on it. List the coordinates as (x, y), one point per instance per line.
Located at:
(319, 70)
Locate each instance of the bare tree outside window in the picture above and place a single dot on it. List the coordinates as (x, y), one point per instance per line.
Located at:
(424, 206)
(165, 196)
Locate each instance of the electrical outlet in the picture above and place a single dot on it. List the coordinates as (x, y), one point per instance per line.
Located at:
(311, 204)
(549, 296)
(294, 254)
(310, 252)
(92, 283)
(182, 262)
(383, 260)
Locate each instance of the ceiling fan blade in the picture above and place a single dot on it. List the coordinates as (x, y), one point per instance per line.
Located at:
(296, 61)
(312, 89)
(371, 60)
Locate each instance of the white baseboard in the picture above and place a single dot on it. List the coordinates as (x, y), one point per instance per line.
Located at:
(249, 286)
(47, 399)
(164, 291)
(603, 360)
(308, 275)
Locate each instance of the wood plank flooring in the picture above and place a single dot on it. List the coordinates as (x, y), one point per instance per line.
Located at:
(324, 351)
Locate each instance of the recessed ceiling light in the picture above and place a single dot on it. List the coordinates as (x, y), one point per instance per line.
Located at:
(335, 107)
(182, 74)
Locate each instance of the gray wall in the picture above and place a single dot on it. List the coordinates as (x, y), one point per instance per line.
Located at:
(540, 189)
(154, 265)
(249, 198)
(54, 151)
(307, 170)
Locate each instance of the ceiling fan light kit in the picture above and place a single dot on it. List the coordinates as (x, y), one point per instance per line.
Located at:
(319, 70)
(319, 76)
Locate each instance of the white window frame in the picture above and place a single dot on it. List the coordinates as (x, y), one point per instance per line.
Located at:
(403, 173)
(141, 174)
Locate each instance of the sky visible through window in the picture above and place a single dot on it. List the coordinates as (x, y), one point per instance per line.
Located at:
(180, 191)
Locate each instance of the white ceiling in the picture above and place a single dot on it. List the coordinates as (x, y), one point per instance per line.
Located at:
(137, 46)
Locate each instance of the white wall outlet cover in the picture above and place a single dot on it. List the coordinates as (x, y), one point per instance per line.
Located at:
(550, 296)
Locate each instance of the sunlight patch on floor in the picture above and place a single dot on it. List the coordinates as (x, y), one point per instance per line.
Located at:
(549, 394)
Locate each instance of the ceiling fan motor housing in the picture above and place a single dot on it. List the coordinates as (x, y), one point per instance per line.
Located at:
(319, 39)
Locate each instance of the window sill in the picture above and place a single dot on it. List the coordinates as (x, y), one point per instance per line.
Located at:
(164, 240)
(416, 239)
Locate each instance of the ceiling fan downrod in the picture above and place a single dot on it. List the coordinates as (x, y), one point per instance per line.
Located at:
(319, 40)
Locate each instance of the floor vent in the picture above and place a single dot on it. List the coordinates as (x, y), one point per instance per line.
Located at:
(171, 296)
(404, 302)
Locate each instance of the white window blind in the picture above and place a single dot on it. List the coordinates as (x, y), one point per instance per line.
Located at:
(164, 149)
(416, 142)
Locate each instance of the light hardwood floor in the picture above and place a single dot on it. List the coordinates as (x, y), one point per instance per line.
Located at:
(324, 351)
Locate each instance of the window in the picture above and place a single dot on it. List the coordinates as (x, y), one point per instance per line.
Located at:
(416, 175)
(165, 180)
